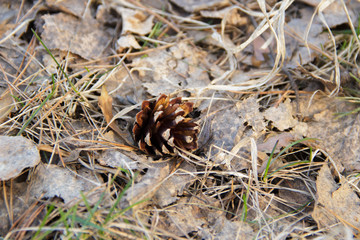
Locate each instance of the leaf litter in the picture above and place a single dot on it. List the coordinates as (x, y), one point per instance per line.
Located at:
(253, 88)
(17, 154)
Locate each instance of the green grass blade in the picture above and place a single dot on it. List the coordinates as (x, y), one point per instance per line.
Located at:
(43, 222)
(86, 223)
(245, 206)
(57, 63)
(39, 108)
(127, 186)
(269, 162)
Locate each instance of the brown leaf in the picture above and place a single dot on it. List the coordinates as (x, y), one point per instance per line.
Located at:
(231, 126)
(105, 103)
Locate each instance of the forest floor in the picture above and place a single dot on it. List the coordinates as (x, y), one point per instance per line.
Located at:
(276, 93)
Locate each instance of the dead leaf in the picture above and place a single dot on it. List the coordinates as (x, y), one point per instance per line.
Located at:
(297, 27)
(208, 38)
(6, 101)
(127, 41)
(281, 116)
(173, 187)
(283, 139)
(19, 203)
(135, 21)
(225, 229)
(122, 84)
(335, 202)
(76, 8)
(168, 71)
(232, 15)
(231, 130)
(10, 61)
(147, 185)
(105, 103)
(115, 158)
(249, 111)
(338, 137)
(50, 180)
(17, 153)
(258, 58)
(296, 51)
(83, 37)
(335, 14)
(197, 5)
(295, 192)
(190, 214)
(8, 14)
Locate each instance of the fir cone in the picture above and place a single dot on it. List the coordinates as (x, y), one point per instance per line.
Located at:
(162, 124)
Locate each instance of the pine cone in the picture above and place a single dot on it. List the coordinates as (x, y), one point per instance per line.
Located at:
(161, 125)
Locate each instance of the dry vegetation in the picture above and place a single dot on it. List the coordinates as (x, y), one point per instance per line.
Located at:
(276, 91)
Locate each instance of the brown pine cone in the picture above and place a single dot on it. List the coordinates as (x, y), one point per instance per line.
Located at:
(161, 125)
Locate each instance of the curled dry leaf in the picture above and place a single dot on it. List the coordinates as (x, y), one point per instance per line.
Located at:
(127, 41)
(105, 103)
(135, 21)
(161, 126)
(17, 153)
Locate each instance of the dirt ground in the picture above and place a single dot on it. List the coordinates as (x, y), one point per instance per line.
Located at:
(263, 137)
